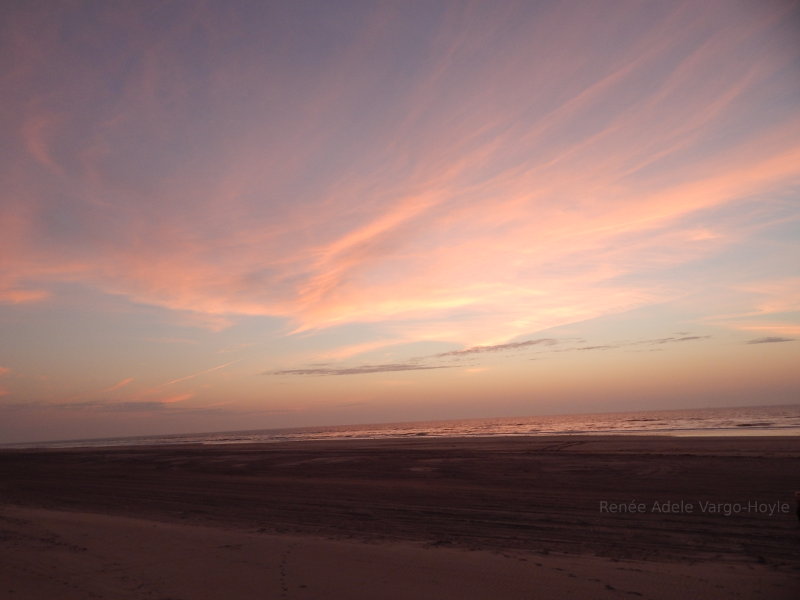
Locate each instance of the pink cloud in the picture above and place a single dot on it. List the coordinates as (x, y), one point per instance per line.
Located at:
(199, 373)
(16, 296)
(119, 385)
(513, 195)
(348, 351)
(176, 398)
(766, 306)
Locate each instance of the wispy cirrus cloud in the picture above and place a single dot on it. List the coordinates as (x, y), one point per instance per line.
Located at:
(126, 396)
(346, 351)
(117, 386)
(499, 347)
(770, 340)
(358, 370)
(134, 403)
(772, 307)
(628, 344)
(609, 153)
(589, 348)
(418, 364)
(197, 374)
(502, 350)
(100, 406)
(395, 193)
(105, 406)
(672, 340)
(14, 295)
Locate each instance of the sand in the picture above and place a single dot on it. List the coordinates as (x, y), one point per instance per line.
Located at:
(540, 517)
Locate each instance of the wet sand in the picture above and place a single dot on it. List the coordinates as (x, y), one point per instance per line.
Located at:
(540, 517)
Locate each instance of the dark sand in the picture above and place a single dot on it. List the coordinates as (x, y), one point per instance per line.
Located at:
(415, 518)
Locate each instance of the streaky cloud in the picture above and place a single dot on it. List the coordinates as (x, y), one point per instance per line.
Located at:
(119, 385)
(770, 340)
(647, 342)
(604, 347)
(671, 340)
(102, 406)
(359, 370)
(499, 347)
(608, 156)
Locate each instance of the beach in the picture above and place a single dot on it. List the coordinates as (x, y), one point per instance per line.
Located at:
(498, 517)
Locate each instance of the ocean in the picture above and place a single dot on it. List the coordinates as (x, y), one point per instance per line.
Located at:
(750, 420)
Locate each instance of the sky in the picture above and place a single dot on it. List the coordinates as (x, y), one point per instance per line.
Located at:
(240, 215)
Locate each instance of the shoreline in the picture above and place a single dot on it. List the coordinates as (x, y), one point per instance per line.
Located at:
(737, 421)
(538, 498)
(736, 436)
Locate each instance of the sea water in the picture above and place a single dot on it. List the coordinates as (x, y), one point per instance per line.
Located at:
(752, 420)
